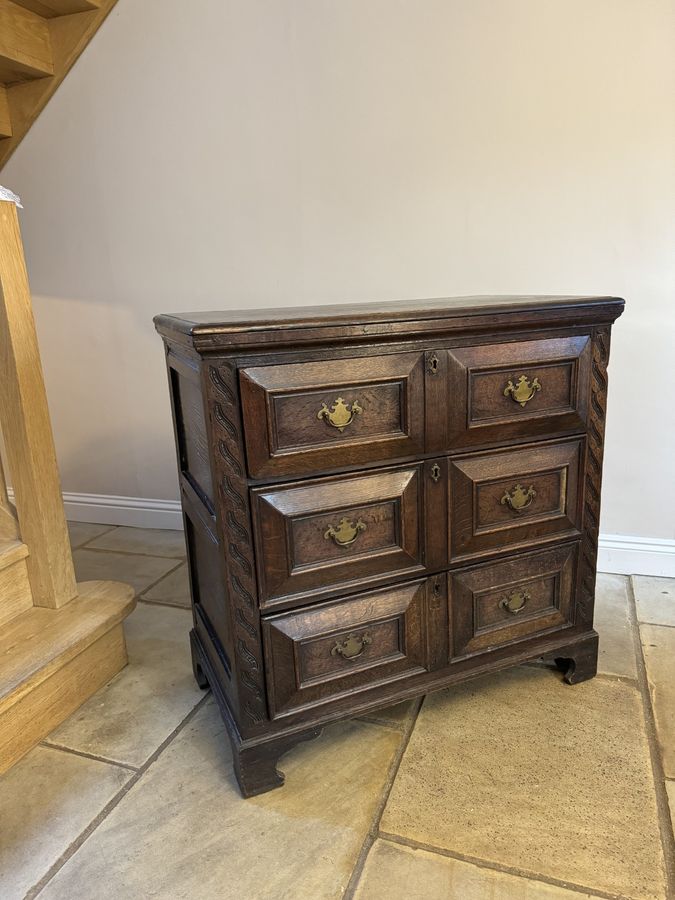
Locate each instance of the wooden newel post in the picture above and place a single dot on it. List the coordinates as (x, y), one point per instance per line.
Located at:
(26, 428)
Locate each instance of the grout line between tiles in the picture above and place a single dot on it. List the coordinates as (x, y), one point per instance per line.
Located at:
(87, 543)
(149, 587)
(131, 553)
(116, 552)
(111, 762)
(373, 830)
(141, 599)
(655, 624)
(385, 723)
(658, 774)
(110, 806)
(498, 867)
(89, 540)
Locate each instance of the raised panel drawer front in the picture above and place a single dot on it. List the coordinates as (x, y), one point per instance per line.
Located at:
(495, 604)
(514, 498)
(316, 538)
(314, 416)
(498, 392)
(326, 651)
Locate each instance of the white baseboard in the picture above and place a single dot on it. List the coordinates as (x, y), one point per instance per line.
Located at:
(140, 512)
(618, 554)
(622, 554)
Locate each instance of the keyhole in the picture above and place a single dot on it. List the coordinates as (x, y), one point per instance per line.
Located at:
(433, 364)
(435, 471)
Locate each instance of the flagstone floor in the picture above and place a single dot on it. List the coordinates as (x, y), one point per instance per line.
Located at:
(513, 786)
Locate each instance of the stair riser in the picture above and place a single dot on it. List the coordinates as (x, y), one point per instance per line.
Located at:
(15, 592)
(41, 710)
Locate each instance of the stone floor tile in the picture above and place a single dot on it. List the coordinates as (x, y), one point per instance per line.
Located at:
(658, 646)
(397, 715)
(145, 541)
(617, 648)
(131, 716)
(183, 831)
(46, 800)
(396, 872)
(138, 571)
(81, 532)
(174, 589)
(655, 599)
(522, 770)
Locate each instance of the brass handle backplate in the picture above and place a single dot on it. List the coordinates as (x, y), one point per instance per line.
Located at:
(515, 602)
(340, 415)
(518, 498)
(523, 390)
(346, 532)
(352, 647)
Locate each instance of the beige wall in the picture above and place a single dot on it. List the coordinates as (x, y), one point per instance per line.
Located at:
(251, 153)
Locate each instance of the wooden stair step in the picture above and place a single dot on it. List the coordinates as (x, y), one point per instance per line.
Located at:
(25, 47)
(65, 27)
(41, 640)
(52, 660)
(51, 8)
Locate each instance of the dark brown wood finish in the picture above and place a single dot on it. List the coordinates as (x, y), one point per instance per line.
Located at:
(315, 538)
(330, 649)
(510, 390)
(514, 498)
(384, 499)
(501, 602)
(328, 414)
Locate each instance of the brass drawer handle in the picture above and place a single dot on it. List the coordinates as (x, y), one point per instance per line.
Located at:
(346, 532)
(523, 391)
(339, 415)
(518, 498)
(515, 602)
(352, 647)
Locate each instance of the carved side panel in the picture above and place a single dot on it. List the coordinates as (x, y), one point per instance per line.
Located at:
(593, 476)
(235, 528)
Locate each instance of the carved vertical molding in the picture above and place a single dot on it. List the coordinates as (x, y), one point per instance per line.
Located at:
(237, 545)
(593, 475)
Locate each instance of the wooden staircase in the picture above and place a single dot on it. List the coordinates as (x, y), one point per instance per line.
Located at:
(39, 42)
(59, 641)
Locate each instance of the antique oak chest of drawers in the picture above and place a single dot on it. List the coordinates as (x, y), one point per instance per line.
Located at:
(381, 500)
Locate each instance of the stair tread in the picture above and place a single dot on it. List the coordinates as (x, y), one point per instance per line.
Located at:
(11, 552)
(40, 640)
(51, 8)
(25, 49)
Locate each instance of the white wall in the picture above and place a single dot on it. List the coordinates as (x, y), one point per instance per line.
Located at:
(247, 153)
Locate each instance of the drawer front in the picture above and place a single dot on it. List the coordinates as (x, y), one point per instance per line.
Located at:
(514, 498)
(500, 392)
(310, 417)
(326, 651)
(492, 605)
(316, 538)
